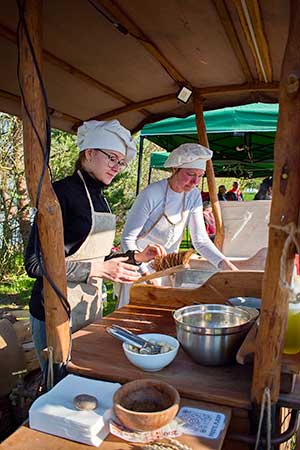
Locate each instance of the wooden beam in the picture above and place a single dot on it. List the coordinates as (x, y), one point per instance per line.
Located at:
(49, 215)
(121, 16)
(10, 35)
(210, 174)
(245, 87)
(53, 112)
(252, 24)
(285, 210)
(132, 107)
(232, 35)
(217, 289)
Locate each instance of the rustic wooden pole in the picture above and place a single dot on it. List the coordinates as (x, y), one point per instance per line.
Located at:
(285, 210)
(49, 214)
(210, 174)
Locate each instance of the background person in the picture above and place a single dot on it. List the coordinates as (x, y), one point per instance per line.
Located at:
(209, 220)
(222, 193)
(163, 210)
(265, 190)
(89, 229)
(234, 194)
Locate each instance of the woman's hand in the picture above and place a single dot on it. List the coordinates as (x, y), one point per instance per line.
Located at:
(149, 253)
(227, 265)
(115, 269)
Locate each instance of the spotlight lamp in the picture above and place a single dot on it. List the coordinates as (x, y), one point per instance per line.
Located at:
(184, 94)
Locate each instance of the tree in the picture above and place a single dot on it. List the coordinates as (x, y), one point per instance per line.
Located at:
(15, 213)
(15, 216)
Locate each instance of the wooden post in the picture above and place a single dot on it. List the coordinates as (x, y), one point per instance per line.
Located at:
(285, 210)
(49, 214)
(210, 174)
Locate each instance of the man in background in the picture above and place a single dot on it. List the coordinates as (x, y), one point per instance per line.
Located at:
(234, 194)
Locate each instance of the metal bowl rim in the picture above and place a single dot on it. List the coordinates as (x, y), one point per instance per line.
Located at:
(214, 308)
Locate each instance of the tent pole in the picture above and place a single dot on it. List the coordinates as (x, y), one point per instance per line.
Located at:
(284, 211)
(210, 174)
(150, 174)
(139, 174)
(49, 214)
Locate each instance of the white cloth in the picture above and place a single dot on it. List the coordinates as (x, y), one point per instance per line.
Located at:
(189, 156)
(54, 412)
(148, 207)
(106, 135)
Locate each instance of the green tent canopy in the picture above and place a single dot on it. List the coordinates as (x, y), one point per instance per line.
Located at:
(242, 138)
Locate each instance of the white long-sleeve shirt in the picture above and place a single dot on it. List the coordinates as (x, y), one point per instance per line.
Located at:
(148, 207)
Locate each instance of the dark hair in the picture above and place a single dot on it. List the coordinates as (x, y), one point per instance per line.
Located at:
(268, 182)
(263, 189)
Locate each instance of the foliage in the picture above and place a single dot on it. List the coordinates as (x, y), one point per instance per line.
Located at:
(111, 302)
(64, 153)
(16, 291)
(15, 212)
(11, 194)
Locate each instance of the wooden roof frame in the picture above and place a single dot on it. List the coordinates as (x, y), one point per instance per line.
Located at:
(111, 8)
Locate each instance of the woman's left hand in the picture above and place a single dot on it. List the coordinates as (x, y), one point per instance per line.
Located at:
(149, 253)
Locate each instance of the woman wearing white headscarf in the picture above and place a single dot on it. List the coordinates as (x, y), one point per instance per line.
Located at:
(89, 229)
(162, 211)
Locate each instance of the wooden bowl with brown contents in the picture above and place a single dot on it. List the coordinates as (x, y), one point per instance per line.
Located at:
(145, 405)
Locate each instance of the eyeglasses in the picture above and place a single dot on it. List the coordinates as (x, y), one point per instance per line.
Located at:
(113, 161)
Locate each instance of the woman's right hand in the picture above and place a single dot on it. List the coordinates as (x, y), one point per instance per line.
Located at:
(115, 269)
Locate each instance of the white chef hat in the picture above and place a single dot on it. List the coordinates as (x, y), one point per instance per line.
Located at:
(106, 135)
(189, 156)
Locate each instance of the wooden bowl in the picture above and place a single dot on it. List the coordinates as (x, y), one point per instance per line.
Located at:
(145, 405)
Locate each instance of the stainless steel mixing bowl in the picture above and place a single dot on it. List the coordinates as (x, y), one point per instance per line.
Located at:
(212, 334)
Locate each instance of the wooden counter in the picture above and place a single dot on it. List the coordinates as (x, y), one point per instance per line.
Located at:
(96, 354)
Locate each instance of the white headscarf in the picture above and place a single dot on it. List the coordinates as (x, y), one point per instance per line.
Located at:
(189, 156)
(106, 135)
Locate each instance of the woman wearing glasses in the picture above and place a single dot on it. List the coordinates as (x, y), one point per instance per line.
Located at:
(89, 228)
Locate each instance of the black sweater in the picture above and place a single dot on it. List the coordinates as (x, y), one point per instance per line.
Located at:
(77, 222)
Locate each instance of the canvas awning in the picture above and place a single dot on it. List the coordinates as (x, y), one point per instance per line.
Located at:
(127, 59)
(242, 138)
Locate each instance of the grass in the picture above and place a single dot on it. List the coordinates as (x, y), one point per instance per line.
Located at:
(248, 196)
(15, 292)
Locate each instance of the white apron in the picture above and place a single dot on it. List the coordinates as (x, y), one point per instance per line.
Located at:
(164, 231)
(85, 299)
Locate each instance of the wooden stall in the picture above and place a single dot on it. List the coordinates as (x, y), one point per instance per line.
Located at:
(105, 59)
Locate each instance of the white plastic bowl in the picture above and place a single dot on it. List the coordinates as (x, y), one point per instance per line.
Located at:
(153, 363)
